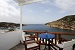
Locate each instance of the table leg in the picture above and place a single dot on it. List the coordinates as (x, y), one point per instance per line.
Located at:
(45, 47)
(49, 44)
(49, 47)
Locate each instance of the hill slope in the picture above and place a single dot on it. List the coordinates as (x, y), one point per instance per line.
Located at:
(67, 22)
(8, 24)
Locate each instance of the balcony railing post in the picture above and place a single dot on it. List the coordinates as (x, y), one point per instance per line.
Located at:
(55, 38)
(59, 38)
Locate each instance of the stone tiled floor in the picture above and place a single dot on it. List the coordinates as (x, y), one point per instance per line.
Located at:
(18, 47)
(21, 47)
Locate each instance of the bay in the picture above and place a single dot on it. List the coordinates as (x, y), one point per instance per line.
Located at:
(42, 27)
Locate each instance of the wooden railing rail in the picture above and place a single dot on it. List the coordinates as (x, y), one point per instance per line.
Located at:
(57, 34)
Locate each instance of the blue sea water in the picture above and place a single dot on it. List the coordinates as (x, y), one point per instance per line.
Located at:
(42, 27)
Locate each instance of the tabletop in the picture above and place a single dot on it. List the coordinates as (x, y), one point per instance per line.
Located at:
(46, 36)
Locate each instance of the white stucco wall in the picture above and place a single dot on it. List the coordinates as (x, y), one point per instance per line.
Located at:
(9, 40)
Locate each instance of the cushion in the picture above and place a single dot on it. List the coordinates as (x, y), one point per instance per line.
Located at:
(32, 45)
(69, 43)
(60, 45)
(23, 36)
(66, 44)
(73, 39)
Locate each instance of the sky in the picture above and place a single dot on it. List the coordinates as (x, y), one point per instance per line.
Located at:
(36, 13)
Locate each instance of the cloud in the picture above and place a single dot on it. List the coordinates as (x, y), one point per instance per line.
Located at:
(8, 11)
(65, 4)
(45, 1)
(30, 11)
(47, 10)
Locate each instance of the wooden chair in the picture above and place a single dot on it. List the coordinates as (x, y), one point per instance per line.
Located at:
(73, 47)
(30, 44)
(69, 45)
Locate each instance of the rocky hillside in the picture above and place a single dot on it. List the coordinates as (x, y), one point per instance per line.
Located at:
(7, 24)
(67, 22)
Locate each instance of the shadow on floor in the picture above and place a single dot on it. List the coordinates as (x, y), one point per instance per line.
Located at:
(21, 47)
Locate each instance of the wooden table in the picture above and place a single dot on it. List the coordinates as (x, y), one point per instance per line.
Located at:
(46, 37)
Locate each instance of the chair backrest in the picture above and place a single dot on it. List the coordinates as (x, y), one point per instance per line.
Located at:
(23, 36)
(30, 43)
(68, 43)
(23, 33)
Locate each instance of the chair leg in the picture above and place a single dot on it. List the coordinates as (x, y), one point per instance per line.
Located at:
(39, 47)
(60, 48)
(73, 47)
(25, 47)
(49, 47)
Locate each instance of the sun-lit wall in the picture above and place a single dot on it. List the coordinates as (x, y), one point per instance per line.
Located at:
(9, 40)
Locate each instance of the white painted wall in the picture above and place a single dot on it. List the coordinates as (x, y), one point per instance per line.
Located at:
(9, 40)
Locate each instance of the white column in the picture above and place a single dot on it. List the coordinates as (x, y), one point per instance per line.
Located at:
(21, 22)
(21, 18)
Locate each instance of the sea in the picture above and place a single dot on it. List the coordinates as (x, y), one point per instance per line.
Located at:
(42, 27)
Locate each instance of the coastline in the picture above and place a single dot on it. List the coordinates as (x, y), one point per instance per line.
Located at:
(60, 27)
(2, 31)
